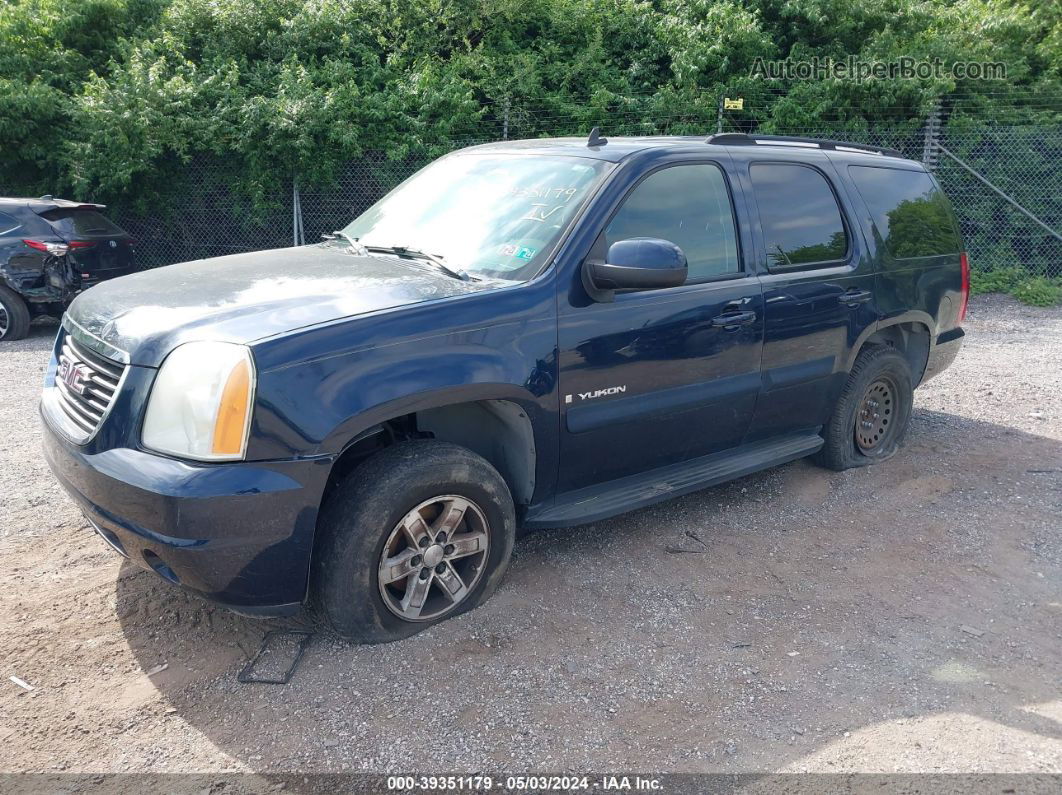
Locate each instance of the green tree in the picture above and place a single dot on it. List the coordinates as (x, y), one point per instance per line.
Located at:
(111, 98)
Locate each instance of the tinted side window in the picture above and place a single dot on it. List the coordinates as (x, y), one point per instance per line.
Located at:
(910, 213)
(688, 205)
(81, 222)
(799, 214)
(8, 223)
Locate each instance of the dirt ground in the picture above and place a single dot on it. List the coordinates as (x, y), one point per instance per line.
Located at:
(905, 617)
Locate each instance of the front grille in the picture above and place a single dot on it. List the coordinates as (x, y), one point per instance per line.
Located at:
(98, 379)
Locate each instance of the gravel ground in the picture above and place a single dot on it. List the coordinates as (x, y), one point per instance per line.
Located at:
(904, 617)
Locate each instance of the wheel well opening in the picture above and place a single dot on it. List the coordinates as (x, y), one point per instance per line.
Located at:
(498, 430)
(910, 339)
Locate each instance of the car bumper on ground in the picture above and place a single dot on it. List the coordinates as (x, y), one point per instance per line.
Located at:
(240, 534)
(943, 353)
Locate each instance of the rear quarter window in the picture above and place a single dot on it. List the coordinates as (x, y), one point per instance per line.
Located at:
(911, 215)
(82, 223)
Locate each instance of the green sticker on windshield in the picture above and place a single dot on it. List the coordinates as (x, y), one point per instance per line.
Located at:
(520, 252)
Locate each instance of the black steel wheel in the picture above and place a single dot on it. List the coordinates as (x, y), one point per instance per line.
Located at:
(871, 415)
(872, 426)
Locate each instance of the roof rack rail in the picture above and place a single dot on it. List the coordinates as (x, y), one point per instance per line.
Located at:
(743, 139)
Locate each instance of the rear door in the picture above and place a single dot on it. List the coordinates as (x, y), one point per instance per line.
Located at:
(818, 291)
(660, 376)
(99, 249)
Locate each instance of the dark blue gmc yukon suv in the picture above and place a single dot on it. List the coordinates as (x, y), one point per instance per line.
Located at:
(521, 335)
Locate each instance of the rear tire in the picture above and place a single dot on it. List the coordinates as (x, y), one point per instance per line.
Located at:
(14, 315)
(872, 414)
(389, 563)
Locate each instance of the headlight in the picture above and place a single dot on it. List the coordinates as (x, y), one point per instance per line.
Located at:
(200, 405)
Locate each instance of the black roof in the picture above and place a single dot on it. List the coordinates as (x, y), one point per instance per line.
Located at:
(45, 203)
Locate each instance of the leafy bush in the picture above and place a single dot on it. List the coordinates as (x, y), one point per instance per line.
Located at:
(1018, 282)
(1038, 291)
(108, 99)
(1003, 280)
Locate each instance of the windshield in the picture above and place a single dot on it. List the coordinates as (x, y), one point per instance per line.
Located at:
(495, 216)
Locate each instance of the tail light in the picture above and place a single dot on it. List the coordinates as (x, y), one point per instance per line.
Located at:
(48, 247)
(964, 298)
(82, 244)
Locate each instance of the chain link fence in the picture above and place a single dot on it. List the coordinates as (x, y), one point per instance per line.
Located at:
(1023, 163)
(208, 213)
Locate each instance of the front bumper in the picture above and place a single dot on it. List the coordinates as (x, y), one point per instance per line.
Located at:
(239, 534)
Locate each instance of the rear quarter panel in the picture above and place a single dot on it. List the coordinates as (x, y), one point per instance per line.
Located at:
(22, 268)
(924, 290)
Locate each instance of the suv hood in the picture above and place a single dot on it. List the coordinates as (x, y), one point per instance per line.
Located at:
(245, 297)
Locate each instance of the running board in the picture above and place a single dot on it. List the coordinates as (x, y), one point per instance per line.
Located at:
(604, 500)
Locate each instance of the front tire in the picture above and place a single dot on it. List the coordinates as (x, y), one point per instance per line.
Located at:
(416, 534)
(14, 315)
(872, 414)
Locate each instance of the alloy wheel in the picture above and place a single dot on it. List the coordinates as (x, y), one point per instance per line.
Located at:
(434, 558)
(5, 321)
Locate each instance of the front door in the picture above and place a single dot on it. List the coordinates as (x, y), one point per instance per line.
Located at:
(659, 376)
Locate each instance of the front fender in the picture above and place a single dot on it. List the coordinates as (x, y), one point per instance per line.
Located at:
(438, 397)
(318, 407)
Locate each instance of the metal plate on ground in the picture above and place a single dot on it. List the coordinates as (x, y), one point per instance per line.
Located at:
(277, 658)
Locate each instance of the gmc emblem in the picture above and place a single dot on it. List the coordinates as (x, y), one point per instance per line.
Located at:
(75, 376)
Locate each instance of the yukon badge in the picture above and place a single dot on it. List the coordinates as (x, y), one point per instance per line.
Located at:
(611, 390)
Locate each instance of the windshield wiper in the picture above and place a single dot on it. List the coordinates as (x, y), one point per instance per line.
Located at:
(437, 261)
(351, 241)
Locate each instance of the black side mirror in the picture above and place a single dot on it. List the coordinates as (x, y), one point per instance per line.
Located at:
(640, 262)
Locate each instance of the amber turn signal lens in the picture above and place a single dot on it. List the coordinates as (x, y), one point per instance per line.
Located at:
(234, 410)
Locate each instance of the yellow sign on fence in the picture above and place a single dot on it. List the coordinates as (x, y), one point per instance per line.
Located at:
(733, 104)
